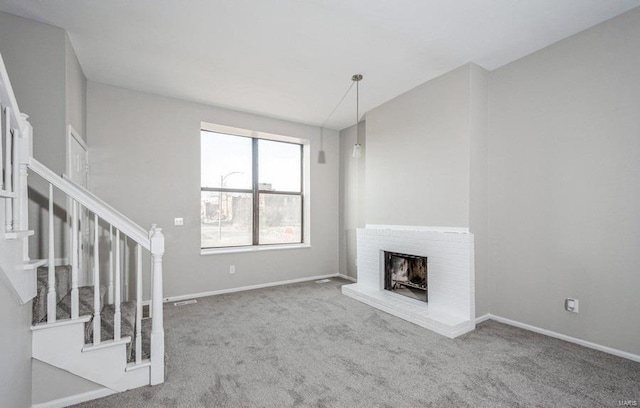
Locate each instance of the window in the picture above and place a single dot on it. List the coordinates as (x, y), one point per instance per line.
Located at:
(251, 190)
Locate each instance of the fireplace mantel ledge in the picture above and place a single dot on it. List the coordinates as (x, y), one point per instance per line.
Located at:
(456, 230)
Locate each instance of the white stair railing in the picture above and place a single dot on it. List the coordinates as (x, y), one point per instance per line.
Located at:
(16, 159)
(106, 219)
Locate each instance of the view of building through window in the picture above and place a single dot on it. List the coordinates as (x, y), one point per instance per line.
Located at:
(251, 191)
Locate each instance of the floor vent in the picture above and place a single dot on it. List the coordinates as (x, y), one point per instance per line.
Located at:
(323, 281)
(185, 302)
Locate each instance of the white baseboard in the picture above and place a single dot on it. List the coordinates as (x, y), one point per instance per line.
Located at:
(243, 288)
(349, 278)
(76, 399)
(483, 318)
(584, 343)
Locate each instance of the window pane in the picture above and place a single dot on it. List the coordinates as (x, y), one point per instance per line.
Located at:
(225, 161)
(280, 219)
(279, 166)
(229, 224)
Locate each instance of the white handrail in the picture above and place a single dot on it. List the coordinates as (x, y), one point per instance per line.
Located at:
(94, 204)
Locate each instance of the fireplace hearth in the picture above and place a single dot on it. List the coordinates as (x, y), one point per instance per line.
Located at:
(406, 275)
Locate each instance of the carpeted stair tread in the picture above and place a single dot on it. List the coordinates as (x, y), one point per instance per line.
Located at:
(85, 302)
(39, 307)
(146, 341)
(85, 307)
(127, 323)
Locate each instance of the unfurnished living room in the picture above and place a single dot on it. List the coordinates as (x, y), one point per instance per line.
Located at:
(320, 203)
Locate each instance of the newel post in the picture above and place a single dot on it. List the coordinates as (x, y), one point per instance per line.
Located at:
(156, 238)
(23, 150)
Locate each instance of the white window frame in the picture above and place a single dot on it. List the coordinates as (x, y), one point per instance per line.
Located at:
(306, 188)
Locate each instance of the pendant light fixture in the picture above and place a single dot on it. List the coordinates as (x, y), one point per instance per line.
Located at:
(357, 148)
(322, 159)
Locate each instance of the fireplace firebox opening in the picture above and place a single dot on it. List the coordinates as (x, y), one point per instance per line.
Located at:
(406, 275)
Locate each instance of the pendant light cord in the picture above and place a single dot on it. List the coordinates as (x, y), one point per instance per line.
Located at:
(337, 106)
(357, 110)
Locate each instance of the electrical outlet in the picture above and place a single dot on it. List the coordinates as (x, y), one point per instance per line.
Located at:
(178, 222)
(572, 305)
(232, 269)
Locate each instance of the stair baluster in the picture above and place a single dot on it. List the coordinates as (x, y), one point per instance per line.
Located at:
(116, 315)
(83, 271)
(15, 179)
(97, 306)
(74, 260)
(138, 304)
(110, 288)
(126, 268)
(7, 170)
(51, 293)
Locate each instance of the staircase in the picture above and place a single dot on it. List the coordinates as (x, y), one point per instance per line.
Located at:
(102, 322)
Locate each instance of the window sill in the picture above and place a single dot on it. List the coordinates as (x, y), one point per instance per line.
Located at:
(237, 250)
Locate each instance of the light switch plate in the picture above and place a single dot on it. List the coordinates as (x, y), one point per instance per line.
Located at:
(178, 222)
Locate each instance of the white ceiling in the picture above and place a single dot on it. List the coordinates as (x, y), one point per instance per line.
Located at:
(293, 59)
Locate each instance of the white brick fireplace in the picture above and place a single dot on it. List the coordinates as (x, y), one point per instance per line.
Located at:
(450, 252)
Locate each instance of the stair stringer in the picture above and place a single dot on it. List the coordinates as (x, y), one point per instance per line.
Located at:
(62, 346)
(19, 278)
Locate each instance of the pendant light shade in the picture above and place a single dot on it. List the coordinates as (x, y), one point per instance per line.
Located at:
(357, 151)
(322, 159)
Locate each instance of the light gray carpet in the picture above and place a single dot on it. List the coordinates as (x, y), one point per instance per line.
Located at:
(307, 345)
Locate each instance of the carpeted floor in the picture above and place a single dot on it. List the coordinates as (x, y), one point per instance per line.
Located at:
(307, 345)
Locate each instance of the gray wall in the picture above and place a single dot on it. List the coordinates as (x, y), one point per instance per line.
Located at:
(75, 90)
(50, 87)
(145, 157)
(352, 185)
(418, 155)
(34, 54)
(564, 185)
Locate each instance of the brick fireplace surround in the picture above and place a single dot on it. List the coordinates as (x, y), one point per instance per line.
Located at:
(451, 307)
